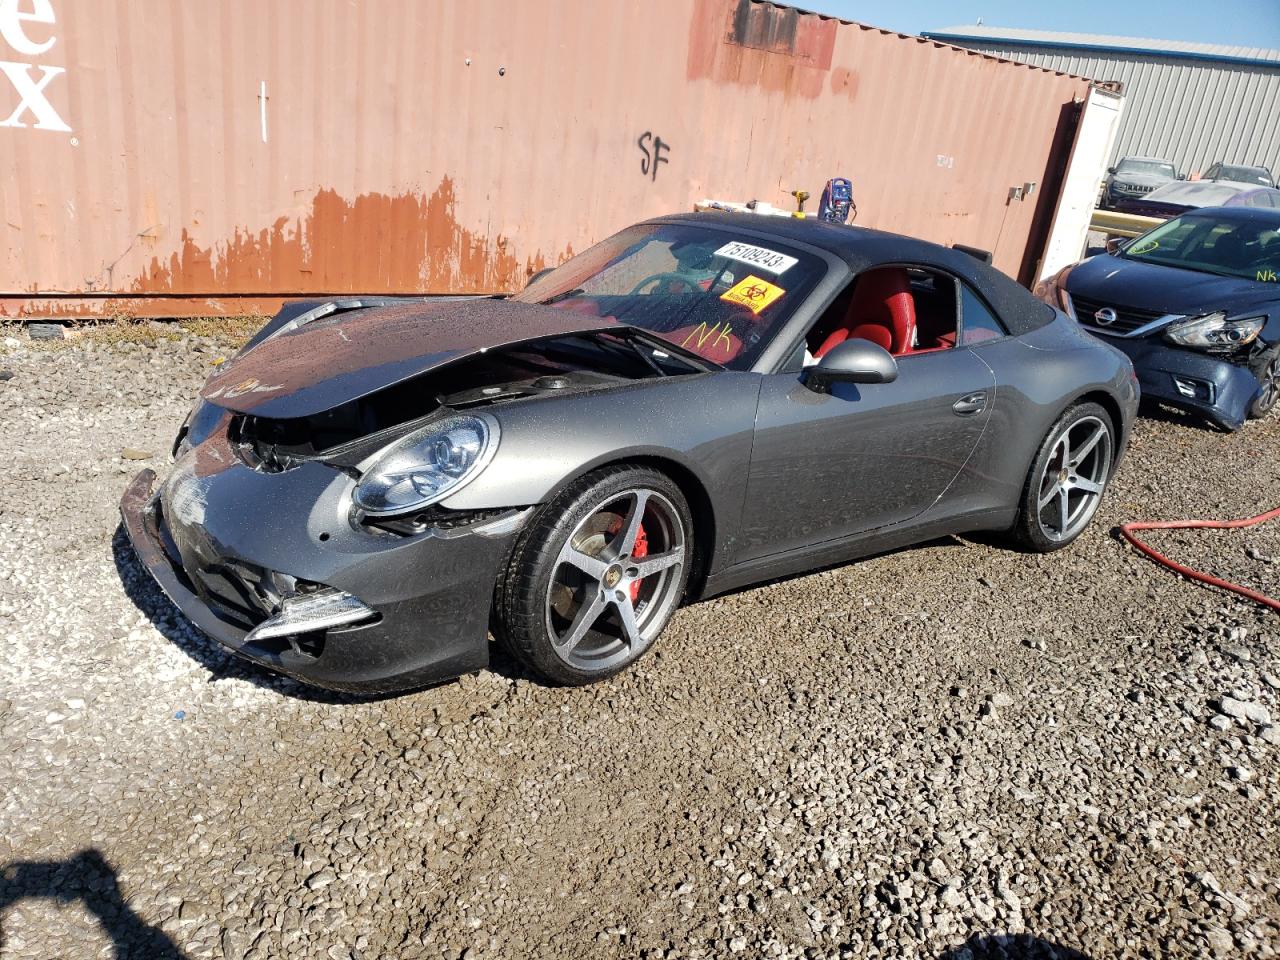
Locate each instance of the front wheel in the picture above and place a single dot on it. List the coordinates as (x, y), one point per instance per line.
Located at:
(1267, 369)
(1067, 480)
(596, 575)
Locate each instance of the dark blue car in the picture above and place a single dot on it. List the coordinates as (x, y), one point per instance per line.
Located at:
(1195, 303)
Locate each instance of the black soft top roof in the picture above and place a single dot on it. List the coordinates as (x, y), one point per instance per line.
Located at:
(862, 248)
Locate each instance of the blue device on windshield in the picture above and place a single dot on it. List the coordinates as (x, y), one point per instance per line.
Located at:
(837, 201)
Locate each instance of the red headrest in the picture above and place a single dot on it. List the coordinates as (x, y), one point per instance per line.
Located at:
(882, 299)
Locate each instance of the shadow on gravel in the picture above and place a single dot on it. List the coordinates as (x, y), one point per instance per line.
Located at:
(1152, 410)
(90, 879)
(147, 596)
(1011, 947)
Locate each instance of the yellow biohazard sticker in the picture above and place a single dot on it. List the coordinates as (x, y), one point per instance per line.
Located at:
(753, 293)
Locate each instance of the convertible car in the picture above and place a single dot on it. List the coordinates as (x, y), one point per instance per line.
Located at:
(698, 403)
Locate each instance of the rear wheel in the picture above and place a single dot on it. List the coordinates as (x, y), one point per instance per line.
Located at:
(596, 575)
(1067, 479)
(1266, 367)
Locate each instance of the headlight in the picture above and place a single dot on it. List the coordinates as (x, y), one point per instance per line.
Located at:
(1064, 299)
(1053, 291)
(1215, 332)
(202, 420)
(427, 465)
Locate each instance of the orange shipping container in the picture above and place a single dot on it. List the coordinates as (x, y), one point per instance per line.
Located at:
(184, 158)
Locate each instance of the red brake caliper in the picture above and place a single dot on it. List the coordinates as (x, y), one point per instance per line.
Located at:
(638, 552)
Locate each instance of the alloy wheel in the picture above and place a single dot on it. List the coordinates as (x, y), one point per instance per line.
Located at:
(1074, 478)
(616, 580)
(1270, 386)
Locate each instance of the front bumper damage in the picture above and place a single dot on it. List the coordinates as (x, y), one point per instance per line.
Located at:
(230, 545)
(1211, 386)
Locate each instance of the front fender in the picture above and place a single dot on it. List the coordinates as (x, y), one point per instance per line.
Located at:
(704, 422)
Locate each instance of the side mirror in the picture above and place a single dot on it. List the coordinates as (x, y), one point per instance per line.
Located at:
(1116, 244)
(854, 361)
(1111, 170)
(538, 275)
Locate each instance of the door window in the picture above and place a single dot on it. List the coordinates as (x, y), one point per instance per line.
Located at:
(904, 309)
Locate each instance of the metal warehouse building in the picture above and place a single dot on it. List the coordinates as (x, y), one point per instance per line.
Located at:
(1192, 103)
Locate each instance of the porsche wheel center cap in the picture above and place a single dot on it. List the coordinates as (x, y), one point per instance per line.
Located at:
(612, 576)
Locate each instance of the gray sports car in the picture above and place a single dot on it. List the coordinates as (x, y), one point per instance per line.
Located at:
(697, 403)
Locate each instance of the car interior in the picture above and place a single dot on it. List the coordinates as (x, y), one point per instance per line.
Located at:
(906, 310)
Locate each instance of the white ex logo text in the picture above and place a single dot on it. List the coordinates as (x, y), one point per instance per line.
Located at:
(26, 29)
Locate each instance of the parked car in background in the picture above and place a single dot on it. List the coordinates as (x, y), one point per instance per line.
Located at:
(1135, 177)
(1195, 303)
(697, 403)
(1182, 195)
(1239, 173)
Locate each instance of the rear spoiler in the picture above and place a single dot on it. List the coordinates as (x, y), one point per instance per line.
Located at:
(983, 256)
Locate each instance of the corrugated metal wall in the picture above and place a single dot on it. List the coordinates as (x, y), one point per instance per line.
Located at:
(1189, 111)
(193, 152)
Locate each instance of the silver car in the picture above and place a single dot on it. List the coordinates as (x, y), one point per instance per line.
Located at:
(695, 404)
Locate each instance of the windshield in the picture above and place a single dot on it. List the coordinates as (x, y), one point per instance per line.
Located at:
(1156, 167)
(718, 294)
(1214, 244)
(1246, 175)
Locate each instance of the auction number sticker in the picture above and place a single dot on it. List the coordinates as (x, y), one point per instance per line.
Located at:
(762, 257)
(753, 293)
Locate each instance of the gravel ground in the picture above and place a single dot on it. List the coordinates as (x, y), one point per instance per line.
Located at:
(952, 751)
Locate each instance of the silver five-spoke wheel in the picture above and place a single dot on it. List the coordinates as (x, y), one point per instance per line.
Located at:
(596, 574)
(616, 580)
(1074, 477)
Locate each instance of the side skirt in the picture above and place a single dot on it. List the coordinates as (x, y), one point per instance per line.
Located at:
(838, 552)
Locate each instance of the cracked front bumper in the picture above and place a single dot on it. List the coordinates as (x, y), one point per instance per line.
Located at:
(1200, 383)
(431, 592)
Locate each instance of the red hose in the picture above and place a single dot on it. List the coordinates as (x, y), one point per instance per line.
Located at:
(1127, 529)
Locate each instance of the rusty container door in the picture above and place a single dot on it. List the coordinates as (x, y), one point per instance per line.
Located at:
(189, 158)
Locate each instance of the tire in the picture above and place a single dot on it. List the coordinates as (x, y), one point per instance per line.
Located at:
(1266, 367)
(1061, 478)
(587, 590)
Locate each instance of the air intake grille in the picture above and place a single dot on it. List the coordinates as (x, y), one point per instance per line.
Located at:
(1127, 319)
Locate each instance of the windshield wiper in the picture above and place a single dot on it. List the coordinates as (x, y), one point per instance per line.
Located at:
(647, 357)
(562, 296)
(1183, 265)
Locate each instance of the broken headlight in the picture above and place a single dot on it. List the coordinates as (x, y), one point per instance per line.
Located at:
(1215, 332)
(1053, 291)
(427, 465)
(200, 424)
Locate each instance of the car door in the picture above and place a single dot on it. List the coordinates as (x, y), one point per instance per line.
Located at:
(833, 466)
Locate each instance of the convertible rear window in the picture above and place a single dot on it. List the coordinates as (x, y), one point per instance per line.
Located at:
(721, 295)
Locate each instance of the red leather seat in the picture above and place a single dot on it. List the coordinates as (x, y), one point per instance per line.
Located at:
(882, 310)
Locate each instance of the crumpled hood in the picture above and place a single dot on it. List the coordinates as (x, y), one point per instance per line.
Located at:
(1115, 281)
(346, 356)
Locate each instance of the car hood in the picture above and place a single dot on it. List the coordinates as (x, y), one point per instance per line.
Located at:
(1148, 286)
(346, 356)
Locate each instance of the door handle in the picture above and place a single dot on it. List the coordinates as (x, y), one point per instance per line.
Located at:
(970, 404)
